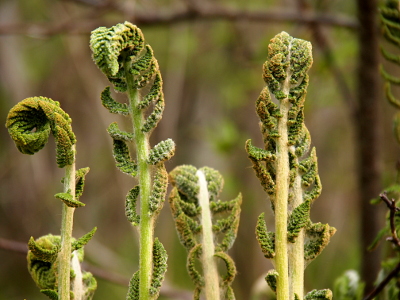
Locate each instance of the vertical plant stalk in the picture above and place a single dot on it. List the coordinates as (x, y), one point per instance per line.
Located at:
(282, 193)
(287, 170)
(207, 240)
(67, 220)
(129, 64)
(207, 228)
(144, 172)
(30, 123)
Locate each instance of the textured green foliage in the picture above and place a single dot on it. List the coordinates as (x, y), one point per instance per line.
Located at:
(319, 295)
(69, 200)
(390, 20)
(187, 212)
(271, 279)
(121, 53)
(30, 123)
(319, 236)
(390, 24)
(130, 206)
(113, 106)
(159, 189)
(265, 238)
(286, 168)
(159, 268)
(163, 151)
(43, 267)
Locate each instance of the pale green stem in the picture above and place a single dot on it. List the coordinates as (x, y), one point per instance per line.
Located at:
(282, 195)
(144, 173)
(208, 249)
(64, 257)
(296, 250)
(77, 282)
(281, 203)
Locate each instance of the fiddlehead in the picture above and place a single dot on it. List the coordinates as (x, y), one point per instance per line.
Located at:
(206, 226)
(128, 62)
(29, 124)
(288, 172)
(42, 265)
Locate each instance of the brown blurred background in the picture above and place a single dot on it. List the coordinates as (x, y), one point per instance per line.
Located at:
(211, 55)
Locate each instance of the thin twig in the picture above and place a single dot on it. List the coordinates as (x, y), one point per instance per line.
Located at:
(383, 283)
(391, 204)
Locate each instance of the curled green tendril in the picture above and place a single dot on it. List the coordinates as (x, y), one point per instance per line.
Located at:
(43, 267)
(30, 123)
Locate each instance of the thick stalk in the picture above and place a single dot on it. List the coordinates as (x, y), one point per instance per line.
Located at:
(144, 173)
(282, 195)
(296, 250)
(282, 185)
(208, 250)
(64, 257)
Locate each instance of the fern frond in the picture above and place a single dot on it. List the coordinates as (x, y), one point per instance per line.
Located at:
(30, 123)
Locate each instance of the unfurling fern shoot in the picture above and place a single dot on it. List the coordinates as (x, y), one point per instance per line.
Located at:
(53, 260)
(206, 226)
(129, 64)
(287, 170)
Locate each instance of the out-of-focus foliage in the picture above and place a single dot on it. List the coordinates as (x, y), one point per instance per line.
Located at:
(211, 71)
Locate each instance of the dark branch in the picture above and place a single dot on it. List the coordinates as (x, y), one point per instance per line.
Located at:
(193, 12)
(391, 204)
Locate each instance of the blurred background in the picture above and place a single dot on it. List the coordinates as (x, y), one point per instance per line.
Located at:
(210, 54)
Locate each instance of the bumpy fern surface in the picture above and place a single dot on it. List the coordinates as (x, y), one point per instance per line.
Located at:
(122, 55)
(42, 265)
(287, 169)
(206, 226)
(30, 122)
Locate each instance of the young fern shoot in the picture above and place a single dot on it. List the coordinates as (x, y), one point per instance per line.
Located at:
(129, 64)
(287, 170)
(206, 226)
(53, 261)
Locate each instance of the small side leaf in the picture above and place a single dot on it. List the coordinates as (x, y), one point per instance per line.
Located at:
(319, 295)
(159, 267)
(130, 206)
(159, 189)
(163, 151)
(271, 278)
(80, 181)
(83, 240)
(52, 294)
(113, 106)
(133, 291)
(123, 159)
(69, 200)
(299, 218)
(265, 238)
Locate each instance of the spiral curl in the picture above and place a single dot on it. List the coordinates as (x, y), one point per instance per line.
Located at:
(186, 212)
(30, 123)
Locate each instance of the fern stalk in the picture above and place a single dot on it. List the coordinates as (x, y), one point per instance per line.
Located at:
(207, 257)
(281, 206)
(144, 172)
(30, 123)
(67, 220)
(129, 64)
(287, 170)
